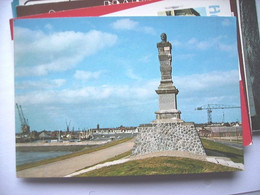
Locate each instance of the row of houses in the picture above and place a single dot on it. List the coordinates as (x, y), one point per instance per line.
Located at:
(220, 131)
(117, 130)
(79, 135)
(51, 135)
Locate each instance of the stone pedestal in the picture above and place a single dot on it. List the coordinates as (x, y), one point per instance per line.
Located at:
(168, 137)
(168, 111)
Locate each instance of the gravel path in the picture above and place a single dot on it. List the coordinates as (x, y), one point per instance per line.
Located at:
(68, 166)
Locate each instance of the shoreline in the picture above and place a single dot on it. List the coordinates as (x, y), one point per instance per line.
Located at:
(58, 146)
(64, 165)
(65, 143)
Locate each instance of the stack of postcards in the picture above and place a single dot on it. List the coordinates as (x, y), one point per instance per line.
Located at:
(129, 87)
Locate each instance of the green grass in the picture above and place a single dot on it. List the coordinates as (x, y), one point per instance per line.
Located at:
(238, 141)
(158, 166)
(170, 165)
(46, 161)
(234, 154)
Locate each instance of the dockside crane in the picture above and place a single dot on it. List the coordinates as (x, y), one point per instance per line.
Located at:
(210, 107)
(25, 128)
(68, 126)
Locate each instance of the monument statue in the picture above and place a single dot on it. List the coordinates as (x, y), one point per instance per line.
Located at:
(165, 57)
(168, 132)
(167, 91)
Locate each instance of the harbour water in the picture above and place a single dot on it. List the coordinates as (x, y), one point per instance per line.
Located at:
(32, 156)
(32, 152)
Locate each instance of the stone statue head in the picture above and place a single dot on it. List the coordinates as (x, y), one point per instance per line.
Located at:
(164, 37)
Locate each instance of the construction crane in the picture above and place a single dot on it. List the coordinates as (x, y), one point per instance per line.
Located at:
(25, 128)
(210, 107)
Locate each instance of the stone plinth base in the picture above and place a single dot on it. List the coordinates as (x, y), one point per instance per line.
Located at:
(170, 120)
(169, 116)
(167, 93)
(168, 136)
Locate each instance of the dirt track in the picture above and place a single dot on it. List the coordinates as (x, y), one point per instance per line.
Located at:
(68, 166)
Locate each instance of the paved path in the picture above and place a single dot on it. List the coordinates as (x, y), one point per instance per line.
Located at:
(68, 166)
(225, 161)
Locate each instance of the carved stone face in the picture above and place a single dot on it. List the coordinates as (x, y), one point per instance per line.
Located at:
(164, 37)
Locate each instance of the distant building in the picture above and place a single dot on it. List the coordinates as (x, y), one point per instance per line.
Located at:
(44, 135)
(226, 131)
(116, 130)
(204, 131)
(34, 135)
(112, 133)
(220, 131)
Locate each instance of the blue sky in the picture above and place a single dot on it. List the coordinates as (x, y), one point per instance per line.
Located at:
(106, 70)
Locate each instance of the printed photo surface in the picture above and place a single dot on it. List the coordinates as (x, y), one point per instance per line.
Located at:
(120, 96)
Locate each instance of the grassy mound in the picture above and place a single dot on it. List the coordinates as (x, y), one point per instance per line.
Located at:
(158, 166)
(171, 165)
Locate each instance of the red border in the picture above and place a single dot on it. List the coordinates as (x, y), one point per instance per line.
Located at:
(246, 129)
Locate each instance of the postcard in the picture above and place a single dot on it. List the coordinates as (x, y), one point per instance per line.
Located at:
(120, 96)
(250, 43)
(144, 8)
(30, 8)
(165, 8)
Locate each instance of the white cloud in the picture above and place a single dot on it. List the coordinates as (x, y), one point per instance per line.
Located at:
(86, 75)
(226, 22)
(146, 58)
(192, 41)
(212, 84)
(42, 84)
(37, 53)
(209, 81)
(176, 43)
(185, 56)
(204, 44)
(194, 90)
(48, 27)
(125, 24)
(201, 45)
(130, 74)
(148, 30)
(128, 24)
(226, 47)
(105, 93)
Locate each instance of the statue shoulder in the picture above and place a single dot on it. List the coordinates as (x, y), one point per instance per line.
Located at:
(164, 44)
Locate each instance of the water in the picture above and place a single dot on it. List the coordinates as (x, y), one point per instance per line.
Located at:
(28, 157)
